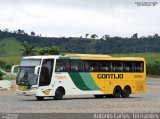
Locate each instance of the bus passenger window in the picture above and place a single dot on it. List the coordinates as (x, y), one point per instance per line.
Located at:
(105, 66)
(126, 69)
(62, 66)
(127, 66)
(91, 69)
(117, 66)
(59, 67)
(138, 66)
(77, 65)
(91, 66)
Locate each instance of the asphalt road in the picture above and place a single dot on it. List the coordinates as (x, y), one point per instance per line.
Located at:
(148, 102)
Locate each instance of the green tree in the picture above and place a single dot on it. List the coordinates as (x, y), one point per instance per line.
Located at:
(54, 50)
(94, 36)
(19, 31)
(86, 35)
(105, 37)
(155, 35)
(135, 35)
(32, 33)
(27, 49)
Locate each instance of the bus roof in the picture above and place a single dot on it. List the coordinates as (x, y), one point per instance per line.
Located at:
(100, 57)
(84, 56)
(87, 55)
(41, 57)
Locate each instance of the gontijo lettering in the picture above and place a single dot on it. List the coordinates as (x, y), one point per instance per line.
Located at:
(110, 76)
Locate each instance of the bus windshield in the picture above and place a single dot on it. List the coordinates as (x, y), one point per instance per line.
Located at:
(26, 76)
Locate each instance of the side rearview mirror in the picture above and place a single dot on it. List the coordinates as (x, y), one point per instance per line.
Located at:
(13, 68)
(36, 70)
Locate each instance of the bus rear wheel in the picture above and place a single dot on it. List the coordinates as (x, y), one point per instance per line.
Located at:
(98, 96)
(126, 92)
(59, 94)
(117, 92)
(39, 97)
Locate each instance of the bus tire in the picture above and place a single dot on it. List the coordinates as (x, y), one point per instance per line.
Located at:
(39, 97)
(126, 92)
(59, 93)
(117, 92)
(98, 96)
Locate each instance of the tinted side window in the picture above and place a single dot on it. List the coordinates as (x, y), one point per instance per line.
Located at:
(138, 66)
(77, 65)
(117, 66)
(127, 66)
(105, 66)
(91, 66)
(94, 66)
(63, 66)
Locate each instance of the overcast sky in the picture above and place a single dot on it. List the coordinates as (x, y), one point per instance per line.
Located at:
(78, 17)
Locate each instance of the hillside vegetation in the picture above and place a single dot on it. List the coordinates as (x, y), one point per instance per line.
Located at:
(104, 45)
(12, 60)
(9, 47)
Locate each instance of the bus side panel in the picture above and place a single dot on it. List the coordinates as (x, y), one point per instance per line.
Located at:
(64, 80)
(94, 83)
(76, 83)
(107, 81)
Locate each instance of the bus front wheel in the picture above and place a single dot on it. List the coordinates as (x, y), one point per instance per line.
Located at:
(117, 92)
(59, 94)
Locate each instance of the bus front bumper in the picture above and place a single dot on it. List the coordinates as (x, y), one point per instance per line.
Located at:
(26, 92)
(36, 92)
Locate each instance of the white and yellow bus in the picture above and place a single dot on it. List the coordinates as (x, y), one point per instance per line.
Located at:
(79, 74)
